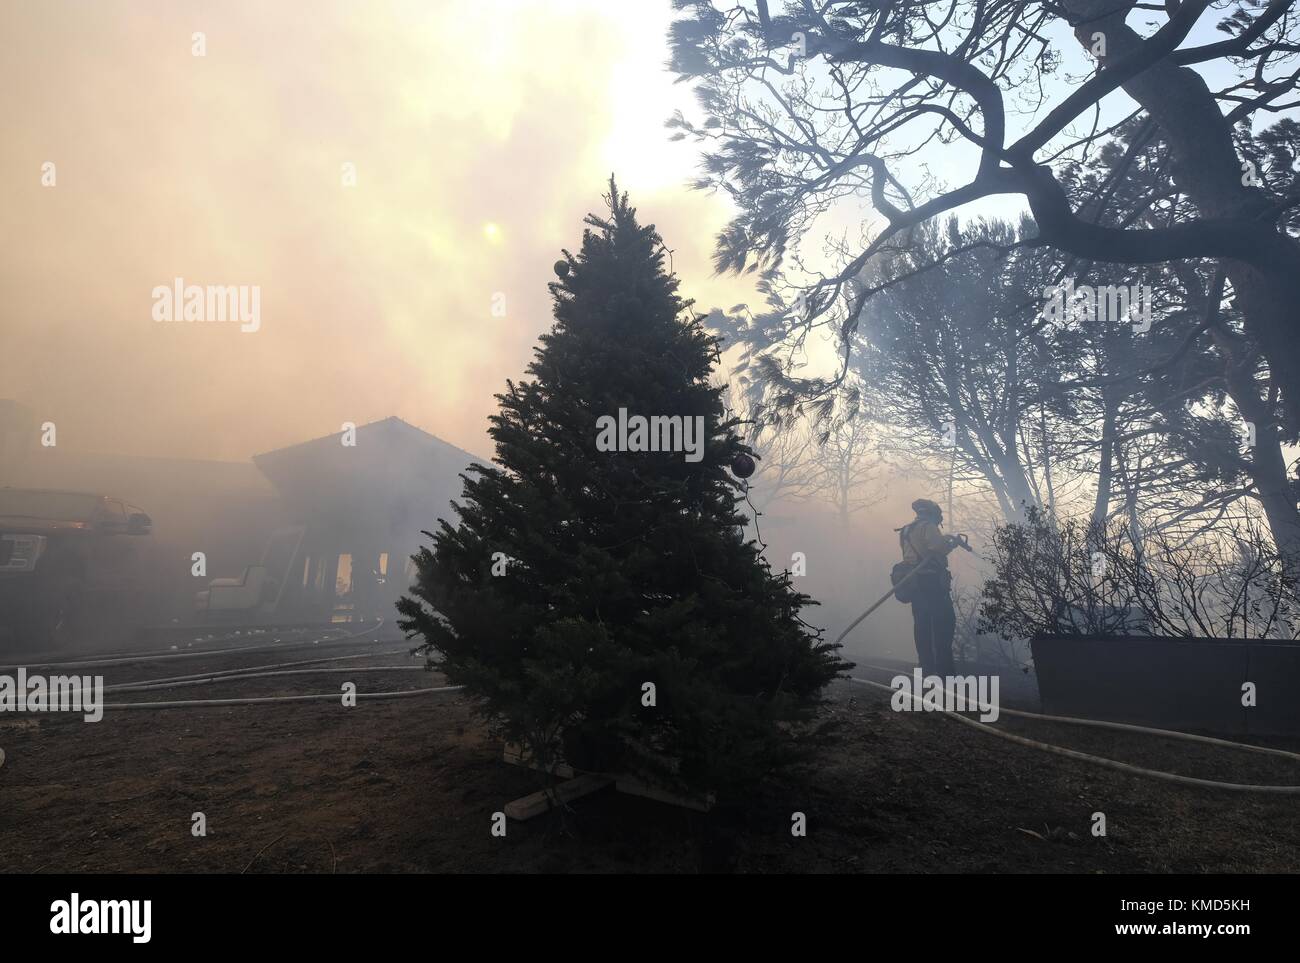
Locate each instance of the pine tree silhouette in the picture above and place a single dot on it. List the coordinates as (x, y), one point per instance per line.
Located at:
(614, 569)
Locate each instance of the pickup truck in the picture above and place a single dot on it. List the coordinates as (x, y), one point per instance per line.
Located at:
(67, 561)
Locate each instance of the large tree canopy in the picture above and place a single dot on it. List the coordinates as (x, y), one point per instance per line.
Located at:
(820, 101)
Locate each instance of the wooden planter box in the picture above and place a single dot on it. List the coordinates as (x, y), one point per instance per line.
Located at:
(1189, 684)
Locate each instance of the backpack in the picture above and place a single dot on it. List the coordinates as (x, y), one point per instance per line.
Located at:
(902, 570)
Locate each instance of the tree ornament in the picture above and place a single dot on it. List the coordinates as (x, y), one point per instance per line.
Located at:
(742, 466)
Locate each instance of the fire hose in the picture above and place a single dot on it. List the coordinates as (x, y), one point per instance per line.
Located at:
(1115, 764)
(960, 541)
(322, 642)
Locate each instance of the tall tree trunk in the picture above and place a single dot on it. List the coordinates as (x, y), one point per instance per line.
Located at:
(1266, 465)
(1106, 458)
(1208, 168)
(1047, 459)
(1276, 494)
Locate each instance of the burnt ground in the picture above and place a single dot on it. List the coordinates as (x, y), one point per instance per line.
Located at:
(410, 785)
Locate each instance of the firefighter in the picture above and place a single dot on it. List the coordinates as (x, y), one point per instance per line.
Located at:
(933, 621)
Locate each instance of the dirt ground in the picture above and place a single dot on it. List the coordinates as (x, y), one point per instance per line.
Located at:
(411, 785)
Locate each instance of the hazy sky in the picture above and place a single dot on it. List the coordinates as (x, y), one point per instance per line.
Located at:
(481, 134)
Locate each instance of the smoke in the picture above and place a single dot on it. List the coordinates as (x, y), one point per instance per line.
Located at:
(476, 137)
(396, 185)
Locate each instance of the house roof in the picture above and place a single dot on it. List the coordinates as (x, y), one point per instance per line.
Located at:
(394, 476)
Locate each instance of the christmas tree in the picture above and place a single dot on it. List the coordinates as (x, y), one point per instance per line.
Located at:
(598, 597)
